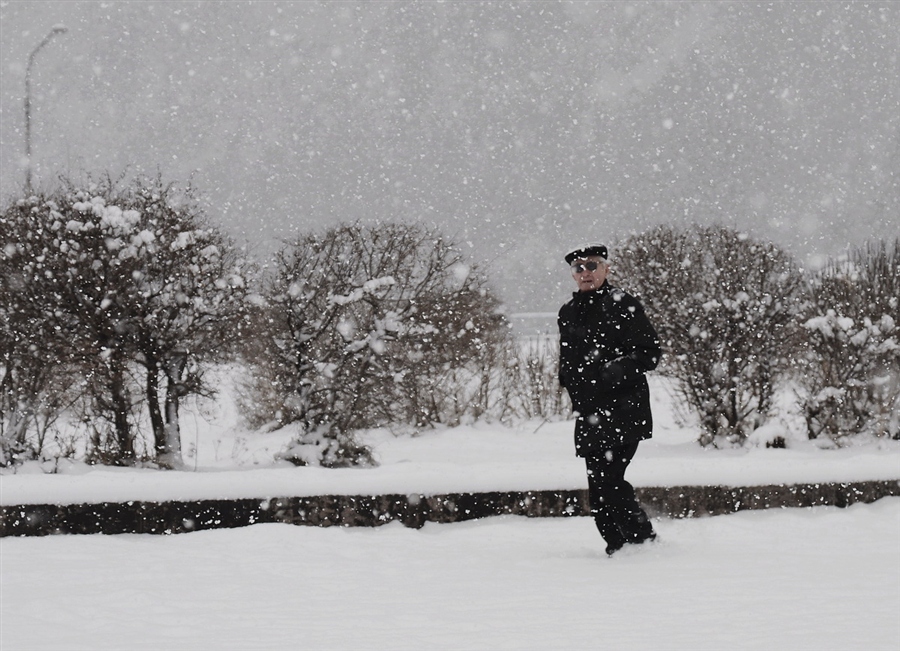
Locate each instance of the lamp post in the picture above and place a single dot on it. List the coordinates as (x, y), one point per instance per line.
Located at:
(58, 29)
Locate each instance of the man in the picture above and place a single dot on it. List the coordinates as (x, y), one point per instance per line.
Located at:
(607, 344)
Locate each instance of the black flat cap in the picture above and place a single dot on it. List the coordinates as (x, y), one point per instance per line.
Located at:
(585, 251)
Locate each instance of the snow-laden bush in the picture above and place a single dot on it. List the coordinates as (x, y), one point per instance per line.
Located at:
(113, 299)
(366, 327)
(724, 305)
(851, 372)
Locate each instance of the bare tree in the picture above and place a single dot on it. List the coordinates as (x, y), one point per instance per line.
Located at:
(35, 373)
(725, 306)
(186, 301)
(111, 278)
(360, 326)
(52, 331)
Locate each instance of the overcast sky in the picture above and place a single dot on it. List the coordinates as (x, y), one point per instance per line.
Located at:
(519, 128)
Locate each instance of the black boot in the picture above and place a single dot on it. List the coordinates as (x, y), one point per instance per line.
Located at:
(637, 527)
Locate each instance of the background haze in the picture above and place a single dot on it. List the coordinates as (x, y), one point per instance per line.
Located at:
(519, 128)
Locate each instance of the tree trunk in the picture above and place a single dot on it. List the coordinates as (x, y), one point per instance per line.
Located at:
(119, 394)
(169, 455)
(156, 417)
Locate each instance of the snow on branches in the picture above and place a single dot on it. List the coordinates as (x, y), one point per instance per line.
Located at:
(360, 326)
(107, 280)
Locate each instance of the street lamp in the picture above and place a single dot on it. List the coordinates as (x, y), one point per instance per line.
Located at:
(58, 29)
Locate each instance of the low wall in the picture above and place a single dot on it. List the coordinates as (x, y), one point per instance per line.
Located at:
(413, 510)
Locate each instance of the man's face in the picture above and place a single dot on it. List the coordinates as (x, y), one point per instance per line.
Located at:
(588, 278)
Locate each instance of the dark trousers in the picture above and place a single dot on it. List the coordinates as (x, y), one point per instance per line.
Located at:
(614, 506)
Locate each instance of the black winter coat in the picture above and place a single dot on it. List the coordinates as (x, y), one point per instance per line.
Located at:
(607, 344)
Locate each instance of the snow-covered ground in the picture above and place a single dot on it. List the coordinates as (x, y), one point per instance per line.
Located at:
(823, 579)
(818, 579)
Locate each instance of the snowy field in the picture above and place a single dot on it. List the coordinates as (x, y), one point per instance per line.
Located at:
(820, 579)
(817, 579)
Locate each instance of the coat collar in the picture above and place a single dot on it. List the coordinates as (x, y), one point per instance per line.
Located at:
(600, 292)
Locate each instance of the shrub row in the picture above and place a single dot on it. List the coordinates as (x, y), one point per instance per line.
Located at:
(118, 298)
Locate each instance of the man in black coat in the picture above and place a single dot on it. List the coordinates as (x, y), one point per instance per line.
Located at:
(607, 344)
